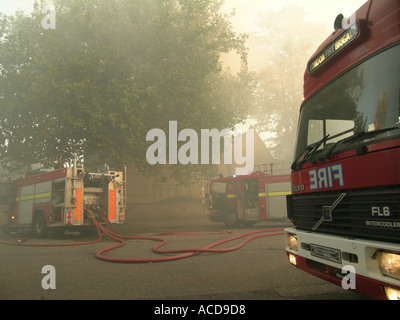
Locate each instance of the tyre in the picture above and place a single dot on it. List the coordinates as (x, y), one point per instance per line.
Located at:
(231, 220)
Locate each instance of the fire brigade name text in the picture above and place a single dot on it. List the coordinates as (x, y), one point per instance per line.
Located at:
(188, 153)
(212, 309)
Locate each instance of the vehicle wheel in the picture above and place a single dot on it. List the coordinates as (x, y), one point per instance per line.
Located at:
(231, 220)
(39, 225)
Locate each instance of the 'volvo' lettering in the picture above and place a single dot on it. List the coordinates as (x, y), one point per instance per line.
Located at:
(326, 178)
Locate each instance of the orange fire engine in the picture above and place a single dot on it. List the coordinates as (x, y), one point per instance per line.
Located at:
(62, 199)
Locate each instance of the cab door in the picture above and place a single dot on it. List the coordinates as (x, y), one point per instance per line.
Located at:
(240, 202)
(248, 200)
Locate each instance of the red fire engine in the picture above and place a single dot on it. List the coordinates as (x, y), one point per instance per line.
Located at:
(346, 175)
(248, 199)
(56, 200)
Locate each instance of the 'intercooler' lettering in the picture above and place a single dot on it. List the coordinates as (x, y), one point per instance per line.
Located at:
(384, 224)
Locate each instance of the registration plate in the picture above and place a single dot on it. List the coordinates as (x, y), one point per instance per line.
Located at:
(326, 253)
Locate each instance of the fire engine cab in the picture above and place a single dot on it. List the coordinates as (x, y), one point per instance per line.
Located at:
(248, 199)
(345, 204)
(63, 198)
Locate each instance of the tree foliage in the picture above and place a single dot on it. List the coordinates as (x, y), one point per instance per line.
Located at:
(284, 42)
(112, 70)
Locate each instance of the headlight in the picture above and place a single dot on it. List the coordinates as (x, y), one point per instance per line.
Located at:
(389, 263)
(292, 242)
(292, 259)
(392, 294)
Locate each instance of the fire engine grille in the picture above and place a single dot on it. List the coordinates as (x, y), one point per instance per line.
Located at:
(372, 213)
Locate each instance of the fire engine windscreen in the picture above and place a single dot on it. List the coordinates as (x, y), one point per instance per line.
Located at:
(358, 108)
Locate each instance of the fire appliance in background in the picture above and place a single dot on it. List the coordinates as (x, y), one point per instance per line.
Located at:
(248, 199)
(346, 174)
(59, 199)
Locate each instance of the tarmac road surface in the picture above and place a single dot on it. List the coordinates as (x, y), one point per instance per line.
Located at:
(258, 271)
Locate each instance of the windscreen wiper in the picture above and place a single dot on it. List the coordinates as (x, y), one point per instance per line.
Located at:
(362, 134)
(311, 149)
(365, 134)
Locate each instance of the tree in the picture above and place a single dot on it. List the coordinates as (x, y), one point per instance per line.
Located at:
(284, 42)
(112, 70)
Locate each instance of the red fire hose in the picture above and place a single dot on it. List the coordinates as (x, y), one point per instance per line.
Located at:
(181, 253)
(185, 252)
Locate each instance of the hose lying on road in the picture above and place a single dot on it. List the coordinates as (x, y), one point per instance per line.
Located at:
(180, 253)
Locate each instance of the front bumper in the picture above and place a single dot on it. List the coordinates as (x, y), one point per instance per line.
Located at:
(334, 253)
